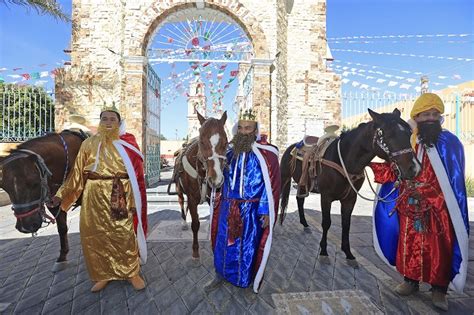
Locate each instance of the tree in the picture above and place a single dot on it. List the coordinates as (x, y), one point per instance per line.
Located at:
(162, 137)
(26, 112)
(50, 7)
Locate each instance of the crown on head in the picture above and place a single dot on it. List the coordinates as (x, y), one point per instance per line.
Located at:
(247, 115)
(109, 108)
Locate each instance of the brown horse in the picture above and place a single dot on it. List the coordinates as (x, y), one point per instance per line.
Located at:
(199, 166)
(386, 136)
(32, 173)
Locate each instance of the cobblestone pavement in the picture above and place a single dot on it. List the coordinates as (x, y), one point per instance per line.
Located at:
(175, 281)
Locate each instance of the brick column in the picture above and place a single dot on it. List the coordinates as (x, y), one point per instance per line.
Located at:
(262, 94)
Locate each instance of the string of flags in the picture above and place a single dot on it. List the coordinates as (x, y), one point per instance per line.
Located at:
(346, 71)
(417, 73)
(389, 83)
(397, 42)
(402, 54)
(20, 77)
(401, 36)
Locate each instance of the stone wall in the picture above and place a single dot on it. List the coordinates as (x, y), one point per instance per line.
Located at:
(290, 85)
(313, 92)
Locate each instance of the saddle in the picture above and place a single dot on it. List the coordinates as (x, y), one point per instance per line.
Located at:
(309, 151)
(182, 165)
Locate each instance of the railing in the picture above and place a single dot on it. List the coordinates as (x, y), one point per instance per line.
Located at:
(26, 112)
(152, 139)
(458, 114)
(153, 161)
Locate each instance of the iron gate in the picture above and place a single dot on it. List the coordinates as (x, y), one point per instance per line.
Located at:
(152, 128)
(26, 112)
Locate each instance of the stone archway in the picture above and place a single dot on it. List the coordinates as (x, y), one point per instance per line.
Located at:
(294, 92)
(157, 13)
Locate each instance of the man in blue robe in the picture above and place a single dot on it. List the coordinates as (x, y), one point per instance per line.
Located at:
(243, 213)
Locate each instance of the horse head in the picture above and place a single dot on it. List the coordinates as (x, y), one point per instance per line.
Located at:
(391, 142)
(212, 148)
(21, 179)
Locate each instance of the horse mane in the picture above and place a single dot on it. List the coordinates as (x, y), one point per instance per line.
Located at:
(385, 116)
(211, 122)
(351, 132)
(33, 143)
(39, 141)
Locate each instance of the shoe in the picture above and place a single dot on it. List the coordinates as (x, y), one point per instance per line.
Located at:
(99, 285)
(439, 300)
(137, 282)
(212, 285)
(406, 288)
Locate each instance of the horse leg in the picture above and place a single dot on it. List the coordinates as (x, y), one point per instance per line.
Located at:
(300, 202)
(326, 224)
(192, 206)
(184, 225)
(346, 211)
(61, 221)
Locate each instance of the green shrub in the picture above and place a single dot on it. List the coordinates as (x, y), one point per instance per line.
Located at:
(470, 186)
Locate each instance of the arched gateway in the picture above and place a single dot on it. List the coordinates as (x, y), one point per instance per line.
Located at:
(292, 91)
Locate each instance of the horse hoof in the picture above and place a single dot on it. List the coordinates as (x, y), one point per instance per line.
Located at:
(324, 259)
(307, 229)
(352, 263)
(195, 262)
(184, 226)
(59, 266)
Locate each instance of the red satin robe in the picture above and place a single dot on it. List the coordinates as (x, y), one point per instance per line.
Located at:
(425, 244)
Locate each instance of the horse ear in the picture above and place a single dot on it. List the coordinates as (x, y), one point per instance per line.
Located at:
(376, 117)
(201, 118)
(397, 112)
(223, 118)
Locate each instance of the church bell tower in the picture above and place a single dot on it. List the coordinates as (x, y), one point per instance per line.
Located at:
(196, 102)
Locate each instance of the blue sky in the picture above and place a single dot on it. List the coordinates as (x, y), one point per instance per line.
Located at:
(29, 40)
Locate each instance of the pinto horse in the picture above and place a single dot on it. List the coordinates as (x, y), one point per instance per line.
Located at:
(198, 166)
(386, 136)
(32, 173)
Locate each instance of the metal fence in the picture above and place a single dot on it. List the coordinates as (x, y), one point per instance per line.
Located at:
(458, 115)
(26, 112)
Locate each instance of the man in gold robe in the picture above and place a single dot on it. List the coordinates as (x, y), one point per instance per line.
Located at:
(108, 172)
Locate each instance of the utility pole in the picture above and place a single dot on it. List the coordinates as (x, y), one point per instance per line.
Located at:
(176, 133)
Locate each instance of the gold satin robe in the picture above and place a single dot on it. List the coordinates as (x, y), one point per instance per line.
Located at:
(109, 246)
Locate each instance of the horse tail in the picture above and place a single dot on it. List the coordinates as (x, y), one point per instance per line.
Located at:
(285, 194)
(286, 182)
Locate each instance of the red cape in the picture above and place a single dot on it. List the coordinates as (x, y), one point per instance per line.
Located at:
(140, 174)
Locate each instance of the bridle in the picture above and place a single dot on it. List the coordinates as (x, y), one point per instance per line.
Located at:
(378, 140)
(44, 175)
(38, 204)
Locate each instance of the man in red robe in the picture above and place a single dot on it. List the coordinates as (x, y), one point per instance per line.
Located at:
(432, 210)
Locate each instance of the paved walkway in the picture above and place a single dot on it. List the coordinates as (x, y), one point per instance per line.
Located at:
(296, 280)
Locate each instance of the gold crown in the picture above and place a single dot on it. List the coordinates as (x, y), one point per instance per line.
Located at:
(247, 115)
(112, 108)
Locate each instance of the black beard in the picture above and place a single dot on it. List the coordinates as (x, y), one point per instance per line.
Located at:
(242, 143)
(429, 131)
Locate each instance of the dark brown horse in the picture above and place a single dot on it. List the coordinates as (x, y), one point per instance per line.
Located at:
(386, 136)
(32, 173)
(199, 166)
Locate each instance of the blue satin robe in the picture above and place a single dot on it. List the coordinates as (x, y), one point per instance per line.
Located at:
(236, 262)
